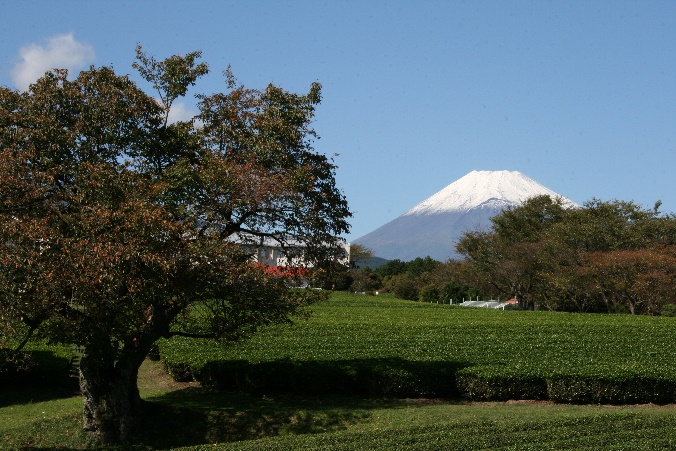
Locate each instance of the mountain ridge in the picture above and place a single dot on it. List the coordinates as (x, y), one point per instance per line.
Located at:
(433, 226)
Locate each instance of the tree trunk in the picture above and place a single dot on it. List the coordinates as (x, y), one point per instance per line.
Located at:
(111, 397)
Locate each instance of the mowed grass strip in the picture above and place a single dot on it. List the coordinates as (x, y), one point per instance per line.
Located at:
(360, 337)
(599, 432)
(191, 418)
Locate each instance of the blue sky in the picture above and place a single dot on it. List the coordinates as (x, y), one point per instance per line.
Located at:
(578, 95)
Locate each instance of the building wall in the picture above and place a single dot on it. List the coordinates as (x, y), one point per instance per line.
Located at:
(271, 255)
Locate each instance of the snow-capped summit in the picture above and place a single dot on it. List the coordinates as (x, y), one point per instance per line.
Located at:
(434, 225)
(481, 187)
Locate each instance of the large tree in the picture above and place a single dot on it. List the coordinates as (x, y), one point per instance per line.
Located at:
(508, 259)
(118, 227)
(640, 280)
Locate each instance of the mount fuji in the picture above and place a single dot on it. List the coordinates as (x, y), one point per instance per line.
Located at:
(433, 227)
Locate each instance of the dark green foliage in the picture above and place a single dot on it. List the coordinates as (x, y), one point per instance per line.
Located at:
(404, 286)
(393, 377)
(490, 383)
(669, 310)
(414, 268)
(499, 383)
(530, 221)
(421, 265)
(331, 275)
(618, 389)
(406, 279)
(604, 257)
(391, 268)
(429, 294)
(457, 292)
(364, 280)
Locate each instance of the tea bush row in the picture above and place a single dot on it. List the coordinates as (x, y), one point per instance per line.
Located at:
(378, 345)
(497, 384)
(48, 364)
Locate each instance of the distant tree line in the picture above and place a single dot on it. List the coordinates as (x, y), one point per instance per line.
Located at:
(612, 256)
(422, 279)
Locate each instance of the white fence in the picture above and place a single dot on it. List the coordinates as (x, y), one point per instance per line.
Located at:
(483, 304)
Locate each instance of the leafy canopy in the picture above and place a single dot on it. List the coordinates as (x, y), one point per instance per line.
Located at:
(605, 256)
(118, 227)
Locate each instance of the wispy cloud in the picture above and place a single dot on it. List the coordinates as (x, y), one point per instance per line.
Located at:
(62, 51)
(180, 112)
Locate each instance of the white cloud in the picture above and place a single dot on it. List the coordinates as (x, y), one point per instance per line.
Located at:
(61, 51)
(180, 112)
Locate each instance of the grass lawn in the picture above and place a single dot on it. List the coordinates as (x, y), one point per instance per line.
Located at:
(185, 416)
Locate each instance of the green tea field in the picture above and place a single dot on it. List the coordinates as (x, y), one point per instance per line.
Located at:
(383, 346)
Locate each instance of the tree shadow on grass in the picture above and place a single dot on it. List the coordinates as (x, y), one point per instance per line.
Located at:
(48, 379)
(244, 401)
(23, 395)
(195, 416)
(390, 377)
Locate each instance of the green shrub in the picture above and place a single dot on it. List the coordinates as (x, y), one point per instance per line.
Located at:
(372, 377)
(497, 383)
(180, 372)
(364, 280)
(429, 294)
(404, 287)
(608, 390)
(40, 365)
(669, 310)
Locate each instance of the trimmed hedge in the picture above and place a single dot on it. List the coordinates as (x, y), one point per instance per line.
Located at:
(499, 383)
(597, 386)
(605, 390)
(47, 365)
(372, 377)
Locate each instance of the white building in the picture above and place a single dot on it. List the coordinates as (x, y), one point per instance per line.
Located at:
(270, 251)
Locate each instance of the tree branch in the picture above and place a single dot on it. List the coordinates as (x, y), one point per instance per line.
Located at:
(31, 328)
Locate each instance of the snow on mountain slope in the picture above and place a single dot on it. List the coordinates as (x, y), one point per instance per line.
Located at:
(434, 226)
(478, 187)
